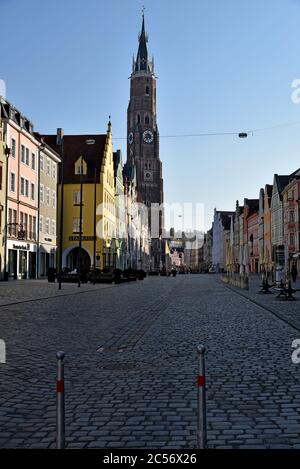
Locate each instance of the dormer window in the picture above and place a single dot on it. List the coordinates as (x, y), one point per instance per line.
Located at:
(80, 166)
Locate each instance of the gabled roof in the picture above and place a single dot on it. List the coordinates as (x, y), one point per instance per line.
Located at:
(283, 180)
(226, 219)
(76, 146)
(253, 205)
(117, 156)
(269, 190)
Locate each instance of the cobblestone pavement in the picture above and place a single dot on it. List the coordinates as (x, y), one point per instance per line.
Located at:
(131, 368)
(16, 291)
(289, 311)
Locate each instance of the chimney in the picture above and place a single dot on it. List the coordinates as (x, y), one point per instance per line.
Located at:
(59, 136)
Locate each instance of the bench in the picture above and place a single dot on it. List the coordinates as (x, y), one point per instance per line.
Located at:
(265, 287)
(286, 292)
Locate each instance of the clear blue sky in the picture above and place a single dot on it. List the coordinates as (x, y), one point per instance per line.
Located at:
(221, 66)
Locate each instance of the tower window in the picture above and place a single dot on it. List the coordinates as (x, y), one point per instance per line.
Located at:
(147, 90)
(138, 119)
(147, 120)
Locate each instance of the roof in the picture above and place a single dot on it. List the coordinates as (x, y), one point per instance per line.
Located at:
(269, 190)
(117, 156)
(76, 146)
(283, 180)
(253, 205)
(142, 55)
(226, 219)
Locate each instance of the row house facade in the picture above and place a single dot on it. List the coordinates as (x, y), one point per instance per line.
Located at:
(86, 199)
(265, 230)
(250, 215)
(291, 224)
(101, 224)
(20, 230)
(22, 195)
(264, 233)
(221, 235)
(279, 248)
(49, 162)
(3, 160)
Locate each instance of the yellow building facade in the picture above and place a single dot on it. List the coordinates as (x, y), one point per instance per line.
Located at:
(88, 169)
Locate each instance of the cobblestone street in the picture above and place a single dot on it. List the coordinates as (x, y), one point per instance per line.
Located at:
(131, 365)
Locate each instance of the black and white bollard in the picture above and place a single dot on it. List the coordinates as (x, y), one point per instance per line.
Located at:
(201, 424)
(60, 409)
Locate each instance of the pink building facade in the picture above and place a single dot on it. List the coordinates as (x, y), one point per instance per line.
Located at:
(291, 224)
(251, 225)
(22, 196)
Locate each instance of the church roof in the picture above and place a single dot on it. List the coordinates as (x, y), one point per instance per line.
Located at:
(142, 62)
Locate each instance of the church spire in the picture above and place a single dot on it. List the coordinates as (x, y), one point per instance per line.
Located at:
(142, 63)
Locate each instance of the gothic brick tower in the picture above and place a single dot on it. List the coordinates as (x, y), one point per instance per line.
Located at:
(143, 135)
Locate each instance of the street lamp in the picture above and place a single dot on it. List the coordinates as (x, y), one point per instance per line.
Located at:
(80, 223)
(108, 245)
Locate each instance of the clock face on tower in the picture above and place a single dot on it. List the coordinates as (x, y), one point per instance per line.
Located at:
(148, 176)
(130, 138)
(148, 136)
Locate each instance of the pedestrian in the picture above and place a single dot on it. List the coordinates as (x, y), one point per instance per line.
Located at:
(294, 272)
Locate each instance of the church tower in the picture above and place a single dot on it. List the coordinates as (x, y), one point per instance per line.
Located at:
(142, 132)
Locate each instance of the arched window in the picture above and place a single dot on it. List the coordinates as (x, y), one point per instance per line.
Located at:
(147, 120)
(147, 90)
(138, 118)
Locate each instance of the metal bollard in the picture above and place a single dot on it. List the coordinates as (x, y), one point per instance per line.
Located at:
(60, 410)
(201, 427)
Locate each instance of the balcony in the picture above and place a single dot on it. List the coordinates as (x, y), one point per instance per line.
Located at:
(20, 234)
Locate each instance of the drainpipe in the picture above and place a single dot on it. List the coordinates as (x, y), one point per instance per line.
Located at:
(7, 153)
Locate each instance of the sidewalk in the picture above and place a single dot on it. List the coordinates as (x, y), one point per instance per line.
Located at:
(15, 291)
(289, 311)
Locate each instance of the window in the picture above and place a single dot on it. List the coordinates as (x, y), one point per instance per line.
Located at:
(291, 217)
(147, 90)
(26, 188)
(30, 227)
(53, 228)
(76, 225)
(53, 199)
(22, 186)
(54, 171)
(292, 239)
(48, 196)
(48, 167)
(1, 175)
(147, 120)
(42, 193)
(33, 161)
(76, 197)
(27, 156)
(13, 148)
(22, 154)
(138, 118)
(41, 222)
(47, 226)
(25, 222)
(32, 191)
(12, 182)
(34, 227)
(41, 162)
